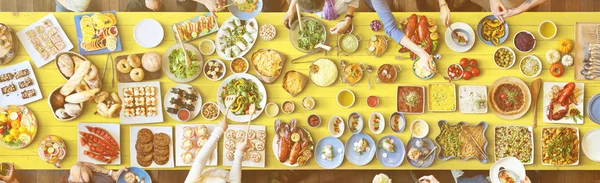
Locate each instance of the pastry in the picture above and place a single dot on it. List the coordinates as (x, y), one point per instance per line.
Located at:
(94, 83)
(187, 157)
(186, 144)
(251, 134)
(123, 66)
(134, 61)
(152, 61)
(230, 145)
(129, 177)
(162, 139)
(92, 73)
(201, 141)
(230, 155)
(255, 157)
(188, 132)
(201, 131)
(137, 74)
(145, 135)
(66, 65)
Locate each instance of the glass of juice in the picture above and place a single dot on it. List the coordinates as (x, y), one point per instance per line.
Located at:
(547, 29)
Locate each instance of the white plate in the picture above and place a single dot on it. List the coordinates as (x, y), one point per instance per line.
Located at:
(179, 139)
(342, 126)
(112, 128)
(509, 163)
(580, 104)
(589, 145)
(14, 98)
(381, 123)
(148, 33)
(243, 52)
(143, 119)
(455, 47)
(464, 97)
(197, 104)
(242, 118)
(35, 56)
(155, 129)
(247, 163)
(578, 139)
(532, 142)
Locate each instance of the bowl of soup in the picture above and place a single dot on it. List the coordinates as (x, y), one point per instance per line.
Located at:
(419, 128)
(547, 29)
(349, 43)
(345, 98)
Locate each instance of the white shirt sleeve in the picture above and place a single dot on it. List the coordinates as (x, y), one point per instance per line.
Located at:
(235, 173)
(77, 5)
(203, 155)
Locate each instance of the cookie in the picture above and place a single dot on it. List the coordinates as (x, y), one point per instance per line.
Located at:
(161, 152)
(230, 134)
(144, 160)
(161, 147)
(161, 159)
(261, 135)
(255, 157)
(162, 139)
(143, 148)
(145, 135)
(259, 146)
(240, 135)
(230, 155)
(251, 134)
(229, 145)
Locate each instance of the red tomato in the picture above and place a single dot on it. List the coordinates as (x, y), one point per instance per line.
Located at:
(473, 62)
(503, 96)
(1, 130)
(557, 70)
(508, 103)
(464, 62)
(467, 75)
(475, 71)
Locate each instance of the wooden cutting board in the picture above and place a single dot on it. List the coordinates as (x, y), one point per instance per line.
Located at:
(124, 77)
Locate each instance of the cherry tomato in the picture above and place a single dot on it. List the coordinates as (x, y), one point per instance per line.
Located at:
(1, 130)
(464, 62)
(557, 70)
(503, 96)
(459, 72)
(475, 71)
(508, 103)
(473, 62)
(467, 75)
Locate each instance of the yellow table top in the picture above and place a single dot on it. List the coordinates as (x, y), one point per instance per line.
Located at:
(48, 78)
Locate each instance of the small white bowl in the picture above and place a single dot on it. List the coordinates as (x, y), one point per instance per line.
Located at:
(538, 61)
(402, 123)
(308, 107)
(283, 109)
(419, 121)
(244, 59)
(223, 66)
(320, 121)
(342, 126)
(534, 41)
(210, 42)
(540, 29)
(372, 123)
(267, 106)
(207, 103)
(338, 98)
(513, 60)
(361, 123)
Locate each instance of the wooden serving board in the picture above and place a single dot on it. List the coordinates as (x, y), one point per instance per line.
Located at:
(122, 77)
(583, 36)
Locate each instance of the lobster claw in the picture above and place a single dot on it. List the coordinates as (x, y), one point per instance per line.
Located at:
(293, 125)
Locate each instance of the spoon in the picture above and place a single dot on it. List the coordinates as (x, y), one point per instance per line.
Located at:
(188, 61)
(536, 85)
(251, 111)
(369, 70)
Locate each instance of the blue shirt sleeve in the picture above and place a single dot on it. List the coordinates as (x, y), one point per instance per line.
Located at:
(389, 22)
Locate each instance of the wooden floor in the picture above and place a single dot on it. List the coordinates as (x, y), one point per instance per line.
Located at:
(322, 176)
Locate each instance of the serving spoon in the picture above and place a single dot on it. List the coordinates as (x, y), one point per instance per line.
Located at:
(229, 99)
(251, 111)
(536, 85)
(188, 61)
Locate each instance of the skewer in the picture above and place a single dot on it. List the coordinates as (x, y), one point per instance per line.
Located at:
(474, 141)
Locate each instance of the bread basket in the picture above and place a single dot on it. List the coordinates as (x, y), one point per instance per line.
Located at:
(54, 106)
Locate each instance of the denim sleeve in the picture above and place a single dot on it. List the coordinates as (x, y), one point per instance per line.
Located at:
(389, 22)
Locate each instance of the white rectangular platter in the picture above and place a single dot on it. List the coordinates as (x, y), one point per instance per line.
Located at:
(578, 144)
(564, 120)
(33, 53)
(112, 128)
(530, 129)
(155, 129)
(158, 118)
(14, 98)
(247, 163)
(213, 161)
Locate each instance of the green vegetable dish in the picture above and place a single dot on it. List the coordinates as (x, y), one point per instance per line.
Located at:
(179, 68)
(312, 33)
(247, 92)
(449, 140)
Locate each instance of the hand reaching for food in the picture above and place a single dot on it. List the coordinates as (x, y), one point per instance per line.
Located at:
(243, 146)
(115, 176)
(498, 9)
(428, 179)
(445, 15)
(223, 124)
(340, 28)
(289, 17)
(425, 60)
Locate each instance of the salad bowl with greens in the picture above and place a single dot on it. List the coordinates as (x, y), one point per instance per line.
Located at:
(175, 67)
(312, 33)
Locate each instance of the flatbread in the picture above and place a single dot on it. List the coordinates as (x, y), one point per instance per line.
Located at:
(504, 111)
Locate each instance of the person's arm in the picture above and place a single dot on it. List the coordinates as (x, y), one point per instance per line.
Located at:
(203, 155)
(75, 5)
(235, 174)
(213, 5)
(290, 14)
(444, 12)
(528, 4)
(137, 6)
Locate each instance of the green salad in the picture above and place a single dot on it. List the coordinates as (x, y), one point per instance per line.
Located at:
(247, 92)
(178, 67)
(312, 34)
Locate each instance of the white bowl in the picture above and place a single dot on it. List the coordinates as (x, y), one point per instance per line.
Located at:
(308, 107)
(320, 121)
(538, 61)
(402, 123)
(218, 112)
(337, 99)
(361, 123)
(267, 111)
(534, 41)
(540, 32)
(209, 41)
(293, 107)
(223, 67)
(513, 60)
(419, 121)
(381, 123)
(245, 60)
(330, 126)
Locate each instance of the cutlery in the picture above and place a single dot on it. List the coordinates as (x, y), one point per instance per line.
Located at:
(369, 70)
(228, 101)
(188, 61)
(536, 85)
(422, 161)
(474, 142)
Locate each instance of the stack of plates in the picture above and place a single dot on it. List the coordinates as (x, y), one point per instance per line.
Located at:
(593, 108)
(589, 145)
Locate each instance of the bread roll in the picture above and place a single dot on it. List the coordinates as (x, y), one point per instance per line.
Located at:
(77, 77)
(152, 61)
(66, 65)
(134, 61)
(81, 96)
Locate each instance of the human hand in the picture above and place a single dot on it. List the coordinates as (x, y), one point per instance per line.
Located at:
(498, 9)
(223, 124)
(153, 5)
(340, 27)
(214, 5)
(289, 17)
(425, 61)
(511, 12)
(244, 145)
(116, 175)
(445, 15)
(428, 179)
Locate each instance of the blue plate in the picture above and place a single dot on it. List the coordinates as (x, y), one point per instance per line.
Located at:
(394, 159)
(480, 31)
(402, 122)
(593, 108)
(365, 157)
(138, 172)
(427, 143)
(338, 158)
(242, 14)
(77, 19)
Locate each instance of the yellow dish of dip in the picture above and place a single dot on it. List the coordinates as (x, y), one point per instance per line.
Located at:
(442, 97)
